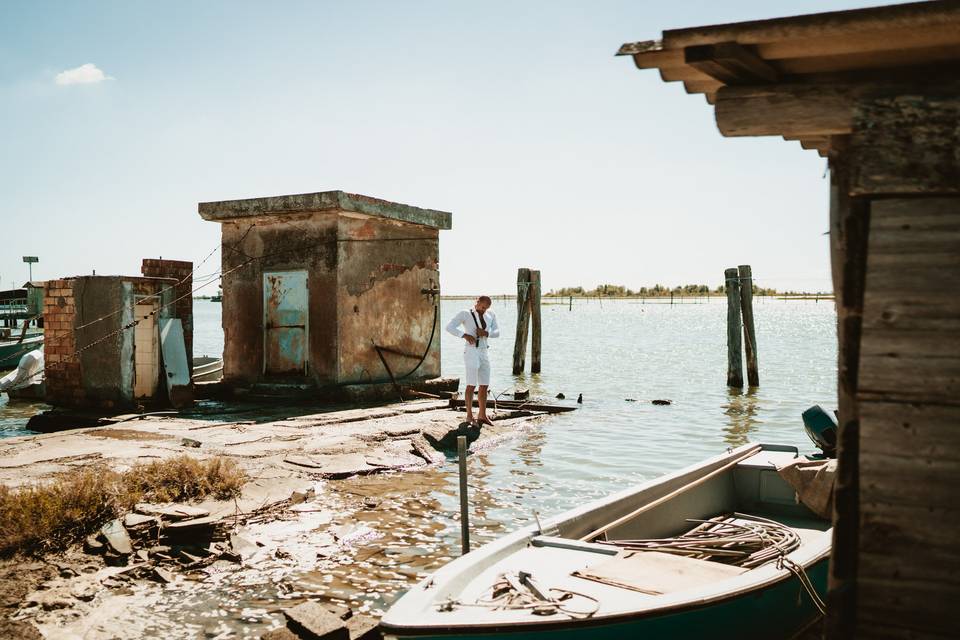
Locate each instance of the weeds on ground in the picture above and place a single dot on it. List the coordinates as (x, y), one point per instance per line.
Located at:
(52, 515)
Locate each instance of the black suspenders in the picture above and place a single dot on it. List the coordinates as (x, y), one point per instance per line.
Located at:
(477, 343)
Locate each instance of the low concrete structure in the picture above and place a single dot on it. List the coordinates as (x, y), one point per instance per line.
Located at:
(313, 283)
(102, 345)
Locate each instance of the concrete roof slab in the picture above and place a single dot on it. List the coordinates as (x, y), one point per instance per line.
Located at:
(228, 210)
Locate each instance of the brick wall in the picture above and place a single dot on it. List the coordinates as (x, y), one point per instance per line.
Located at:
(61, 367)
(182, 271)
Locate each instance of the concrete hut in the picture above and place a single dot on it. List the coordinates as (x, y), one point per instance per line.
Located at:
(876, 91)
(109, 342)
(314, 283)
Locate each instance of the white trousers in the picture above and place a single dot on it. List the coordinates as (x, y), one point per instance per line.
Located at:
(477, 365)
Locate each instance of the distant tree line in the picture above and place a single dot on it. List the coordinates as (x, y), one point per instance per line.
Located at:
(620, 291)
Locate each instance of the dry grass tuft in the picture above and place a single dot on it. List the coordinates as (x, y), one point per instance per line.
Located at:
(52, 515)
(186, 478)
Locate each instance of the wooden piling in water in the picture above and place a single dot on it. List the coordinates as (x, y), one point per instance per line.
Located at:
(528, 310)
(734, 358)
(535, 337)
(749, 331)
(464, 501)
(523, 320)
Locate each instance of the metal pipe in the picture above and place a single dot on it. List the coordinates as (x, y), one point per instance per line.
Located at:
(464, 510)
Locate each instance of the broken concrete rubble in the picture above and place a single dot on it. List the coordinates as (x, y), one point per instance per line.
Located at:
(134, 520)
(116, 538)
(171, 512)
(312, 621)
(331, 444)
(326, 621)
(177, 545)
(364, 628)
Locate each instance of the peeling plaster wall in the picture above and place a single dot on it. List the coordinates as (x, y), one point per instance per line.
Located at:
(382, 266)
(107, 368)
(127, 339)
(253, 246)
(100, 365)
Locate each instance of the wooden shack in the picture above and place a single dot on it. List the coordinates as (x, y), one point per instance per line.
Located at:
(877, 91)
(323, 290)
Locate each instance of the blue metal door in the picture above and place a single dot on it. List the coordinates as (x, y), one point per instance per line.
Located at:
(285, 323)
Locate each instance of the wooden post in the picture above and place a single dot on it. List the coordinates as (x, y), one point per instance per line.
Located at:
(464, 502)
(570, 308)
(849, 230)
(749, 332)
(523, 320)
(534, 298)
(734, 349)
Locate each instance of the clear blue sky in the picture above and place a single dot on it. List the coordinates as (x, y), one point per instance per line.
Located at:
(550, 152)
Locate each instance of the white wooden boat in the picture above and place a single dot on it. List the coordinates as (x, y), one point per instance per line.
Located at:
(608, 570)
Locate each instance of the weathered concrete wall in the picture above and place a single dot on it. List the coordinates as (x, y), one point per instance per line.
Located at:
(90, 338)
(367, 263)
(182, 294)
(257, 245)
(103, 378)
(383, 266)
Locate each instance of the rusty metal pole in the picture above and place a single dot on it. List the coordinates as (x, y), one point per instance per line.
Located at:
(464, 504)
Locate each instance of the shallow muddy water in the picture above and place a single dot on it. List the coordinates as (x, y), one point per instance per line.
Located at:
(619, 354)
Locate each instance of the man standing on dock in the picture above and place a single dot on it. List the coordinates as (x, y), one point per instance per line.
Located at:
(479, 325)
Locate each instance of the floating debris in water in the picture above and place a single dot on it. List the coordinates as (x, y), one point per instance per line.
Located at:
(662, 402)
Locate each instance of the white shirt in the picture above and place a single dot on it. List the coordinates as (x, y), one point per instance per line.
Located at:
(468, 319)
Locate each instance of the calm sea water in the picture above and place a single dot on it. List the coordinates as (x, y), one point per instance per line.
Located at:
(619, 355)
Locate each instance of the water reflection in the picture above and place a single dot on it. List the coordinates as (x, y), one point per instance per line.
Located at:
(741, 411)
(529, 449)
(14, 415)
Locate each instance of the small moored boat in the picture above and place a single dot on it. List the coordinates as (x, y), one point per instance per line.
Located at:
(721, 549)
(14, 348)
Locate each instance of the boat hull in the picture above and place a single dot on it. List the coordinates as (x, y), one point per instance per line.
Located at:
(776, 611)
(12, 351)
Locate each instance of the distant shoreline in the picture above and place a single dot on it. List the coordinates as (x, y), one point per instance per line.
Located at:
(557, 298)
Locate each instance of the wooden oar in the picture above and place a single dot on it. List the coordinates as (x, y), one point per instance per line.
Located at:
(673, 494)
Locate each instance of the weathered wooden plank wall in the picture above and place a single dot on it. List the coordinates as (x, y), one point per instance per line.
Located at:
(905, 163)
(909, 393)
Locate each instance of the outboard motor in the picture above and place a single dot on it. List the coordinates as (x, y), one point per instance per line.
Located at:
(822, 429)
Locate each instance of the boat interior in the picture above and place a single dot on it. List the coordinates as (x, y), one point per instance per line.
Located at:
(622, 554)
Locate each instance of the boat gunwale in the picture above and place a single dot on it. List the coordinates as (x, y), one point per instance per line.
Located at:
(594, 621)
(525, 536)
